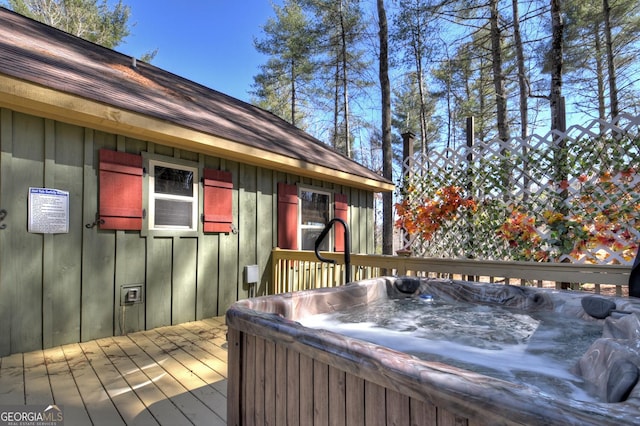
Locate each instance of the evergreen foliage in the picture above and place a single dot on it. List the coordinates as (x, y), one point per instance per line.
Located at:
(442, 60)
(87, 19)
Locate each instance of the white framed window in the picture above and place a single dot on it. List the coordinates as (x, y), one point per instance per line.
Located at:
(173, 196)
(314, 212)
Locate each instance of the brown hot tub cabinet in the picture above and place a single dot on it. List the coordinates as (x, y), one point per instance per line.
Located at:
(283, 373)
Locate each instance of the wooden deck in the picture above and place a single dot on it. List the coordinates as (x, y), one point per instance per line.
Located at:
(169, 376)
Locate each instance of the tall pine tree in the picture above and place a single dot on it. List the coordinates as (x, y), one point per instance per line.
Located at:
(282, 85)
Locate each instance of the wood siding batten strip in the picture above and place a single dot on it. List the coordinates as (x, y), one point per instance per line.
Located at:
(306, 382)
(6, 292)
(293, 387)
(354, 400)
(337, 397)
(280, 392)
(236, 366)
(270, 382)
(48, 266)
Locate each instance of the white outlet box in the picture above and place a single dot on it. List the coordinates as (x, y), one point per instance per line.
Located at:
(252, 273)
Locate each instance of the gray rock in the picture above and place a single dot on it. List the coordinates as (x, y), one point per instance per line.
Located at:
(623, 376)
(598, 307)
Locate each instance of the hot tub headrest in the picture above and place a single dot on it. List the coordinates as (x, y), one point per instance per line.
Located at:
(407, 285)
(599, 307)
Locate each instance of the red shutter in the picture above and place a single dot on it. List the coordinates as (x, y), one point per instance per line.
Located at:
(218, 201)
(120, 190)
(341, 211)
(287, 216)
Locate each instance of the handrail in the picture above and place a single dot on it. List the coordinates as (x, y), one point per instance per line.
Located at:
(294, 270)
(347, 247)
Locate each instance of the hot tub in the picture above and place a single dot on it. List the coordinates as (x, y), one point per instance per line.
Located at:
(281, 372)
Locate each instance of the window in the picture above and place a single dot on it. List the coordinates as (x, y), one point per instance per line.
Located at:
(315, 208)
(302, 215)
(173, 196)
(169, 193)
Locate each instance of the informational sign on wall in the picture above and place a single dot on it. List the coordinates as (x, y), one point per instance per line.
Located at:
(48, 211)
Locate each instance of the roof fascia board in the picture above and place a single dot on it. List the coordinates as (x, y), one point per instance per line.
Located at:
(42, 101)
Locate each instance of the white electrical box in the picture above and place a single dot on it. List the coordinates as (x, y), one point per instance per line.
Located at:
(252, 273)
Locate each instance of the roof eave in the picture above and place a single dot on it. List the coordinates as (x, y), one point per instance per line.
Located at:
(42, 101)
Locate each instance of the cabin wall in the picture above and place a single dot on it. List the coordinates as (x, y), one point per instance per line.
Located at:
(63, 288)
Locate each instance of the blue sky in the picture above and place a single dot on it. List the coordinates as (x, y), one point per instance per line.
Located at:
(206, 41)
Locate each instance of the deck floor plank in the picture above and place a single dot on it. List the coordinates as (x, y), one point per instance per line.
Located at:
(37, 388)
(167, 376)
(211, 367)
(209, 341)
(145, 384)
(12, 380)
(205, 366)
(126, 401)
(65, 392)
(163, 370)
(195, 377)
(99, 407)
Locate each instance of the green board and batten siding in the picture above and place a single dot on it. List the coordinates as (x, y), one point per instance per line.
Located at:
(63, 288)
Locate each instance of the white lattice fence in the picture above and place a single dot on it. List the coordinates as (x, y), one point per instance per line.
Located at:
(560, 197)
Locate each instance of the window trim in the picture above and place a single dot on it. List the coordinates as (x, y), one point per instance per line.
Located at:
(329, 239)
(151, 160)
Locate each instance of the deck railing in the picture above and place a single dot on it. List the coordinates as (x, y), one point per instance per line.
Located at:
(301, 270)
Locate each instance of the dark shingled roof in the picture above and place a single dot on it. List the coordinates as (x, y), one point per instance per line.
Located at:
(37, 53)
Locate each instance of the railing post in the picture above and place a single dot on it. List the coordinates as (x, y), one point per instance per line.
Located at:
(275, 273)
(402, 268)
(407, 154)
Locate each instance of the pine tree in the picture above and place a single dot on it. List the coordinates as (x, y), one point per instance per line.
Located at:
(86, 19)
(341, 75)
(414, 31)
(602, 71)
(498, 71)
(289, 43)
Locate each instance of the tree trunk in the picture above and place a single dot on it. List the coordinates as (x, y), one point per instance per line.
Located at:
(450, 112)
(336, 107)
(602, 109)
(387, 157)
(417, 45)
(524, 94)
(345, 84)
(557, 28)
(498, 74)
(522, 77)
(613, 89)
(423, 107)
(558, 120)
(293, 93)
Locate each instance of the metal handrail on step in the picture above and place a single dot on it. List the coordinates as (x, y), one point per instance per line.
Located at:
(347, 247)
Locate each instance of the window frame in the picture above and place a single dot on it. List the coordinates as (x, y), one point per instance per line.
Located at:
(329, 239)
(149, 196)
